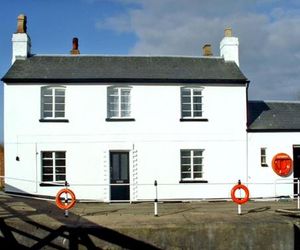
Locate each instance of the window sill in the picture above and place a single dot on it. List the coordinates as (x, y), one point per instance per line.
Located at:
(52, 184)
(193, 181)
(264, 165)
(120, 119)
(194, 120)
(54, 120)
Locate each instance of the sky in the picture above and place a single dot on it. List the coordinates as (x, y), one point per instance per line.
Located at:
(268, 32)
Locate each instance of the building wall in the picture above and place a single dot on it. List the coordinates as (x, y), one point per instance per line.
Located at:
(1, 167)
(265, 182)
(154, 140)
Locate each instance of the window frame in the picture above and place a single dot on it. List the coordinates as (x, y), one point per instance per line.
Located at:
(192, 157)
(192, 110)
(54, 166)
(120, 101)
(263, 157)
(53, 109)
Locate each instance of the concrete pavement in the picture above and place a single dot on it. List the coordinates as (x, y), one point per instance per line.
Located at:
(27, 223)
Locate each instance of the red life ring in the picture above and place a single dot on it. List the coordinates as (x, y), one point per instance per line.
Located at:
(240, 200)
(60, 202)
(282, 164)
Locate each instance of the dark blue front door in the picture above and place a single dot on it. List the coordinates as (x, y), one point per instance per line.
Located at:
(119, 174)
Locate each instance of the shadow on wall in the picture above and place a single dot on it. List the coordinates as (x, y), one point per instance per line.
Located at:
(23, 232)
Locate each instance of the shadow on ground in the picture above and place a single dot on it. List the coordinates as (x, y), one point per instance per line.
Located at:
(19, 231)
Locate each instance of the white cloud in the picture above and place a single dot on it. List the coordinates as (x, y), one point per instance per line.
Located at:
(268, 31)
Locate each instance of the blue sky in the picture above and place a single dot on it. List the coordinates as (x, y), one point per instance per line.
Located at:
(268, 31)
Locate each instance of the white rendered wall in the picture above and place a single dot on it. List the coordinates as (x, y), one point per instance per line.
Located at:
(274, 143)
(154, 140)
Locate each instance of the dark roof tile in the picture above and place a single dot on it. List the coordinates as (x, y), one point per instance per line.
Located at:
(124, 68)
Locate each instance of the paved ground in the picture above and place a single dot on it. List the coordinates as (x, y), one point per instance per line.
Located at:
(28, 223)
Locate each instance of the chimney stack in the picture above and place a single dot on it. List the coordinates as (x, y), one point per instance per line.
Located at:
(21, 43)
(75, 50)
(229, 47)
(207, 50)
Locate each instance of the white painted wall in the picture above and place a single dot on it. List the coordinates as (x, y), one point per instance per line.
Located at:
(274, 143)
(154, 140)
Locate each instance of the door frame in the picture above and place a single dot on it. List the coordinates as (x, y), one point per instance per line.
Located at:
(129, 174)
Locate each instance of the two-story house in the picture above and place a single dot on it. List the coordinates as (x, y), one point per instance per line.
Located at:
(112, 125)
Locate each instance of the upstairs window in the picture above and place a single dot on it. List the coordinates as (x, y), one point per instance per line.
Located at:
(191, 103)
(118, 102)
(53, 166)
(53, 102)
(191, 164)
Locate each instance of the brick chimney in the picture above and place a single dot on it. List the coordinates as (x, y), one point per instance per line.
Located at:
(229, 47)
(207, 50)
(21, 43)
(75, 50)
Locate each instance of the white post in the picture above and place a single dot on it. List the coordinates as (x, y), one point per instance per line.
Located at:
(66, 200)
(239, 209)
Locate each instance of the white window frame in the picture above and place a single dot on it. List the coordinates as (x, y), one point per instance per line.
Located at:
(53, 108)
(263, 157)
(192, 165)
(191, 89)
(54, 166)
(119, 104)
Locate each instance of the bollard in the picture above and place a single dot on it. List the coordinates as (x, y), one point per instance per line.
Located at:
(66, 200)
(155, 200)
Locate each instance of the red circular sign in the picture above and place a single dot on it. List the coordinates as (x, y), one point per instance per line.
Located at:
(282, 164)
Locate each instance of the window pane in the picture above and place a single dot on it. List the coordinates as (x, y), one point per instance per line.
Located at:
(60, 170)
(59, 114)
(185, 153)
(47, 114)
(186, 99)
(197, 99)
(60, 177)
(185, 160)
(186, 168)
(197, 160)
(185, 92)
(186, 107)
(47, 154)
(47, 91)
(186, 114)
(59, 99)
(48, 170)
(197, 175)
(125, 113)
(60, 154)
(59, 107)
(60, 163)
(47, 163)
(197, 107)
(60, 92)
(48, 99)
(197, 92)
(185, 175)
(113, 91)
(47, 178)
(125, 92)
(198, 152)
(197, 168)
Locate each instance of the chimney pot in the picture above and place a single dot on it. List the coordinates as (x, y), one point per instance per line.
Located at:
(75, 50)
(228, 32)
(207, 50)
(22, 24)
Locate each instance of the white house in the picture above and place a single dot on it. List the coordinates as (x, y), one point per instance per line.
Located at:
(112, 125)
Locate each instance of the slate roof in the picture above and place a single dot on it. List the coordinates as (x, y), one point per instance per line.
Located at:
(264, 116)
(159, 69)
